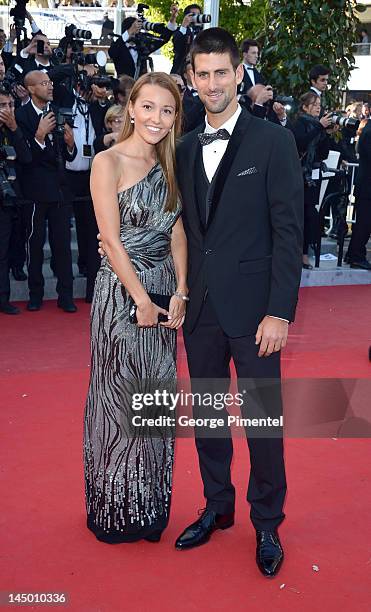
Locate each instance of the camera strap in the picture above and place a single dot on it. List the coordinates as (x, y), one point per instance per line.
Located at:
(83, 109)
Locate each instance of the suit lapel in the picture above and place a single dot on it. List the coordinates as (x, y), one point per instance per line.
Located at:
(227, 161)
(188, 174)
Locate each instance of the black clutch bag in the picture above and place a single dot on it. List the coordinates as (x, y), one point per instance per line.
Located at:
(163, 301)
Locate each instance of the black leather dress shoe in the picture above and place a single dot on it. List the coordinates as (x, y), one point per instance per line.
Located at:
(34, 305)
(362, 265)
(8, 308)
(67, 305)
(18, 273)
(269, 553)
(199, 532)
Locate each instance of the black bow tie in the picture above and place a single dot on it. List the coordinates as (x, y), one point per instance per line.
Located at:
(206, 138)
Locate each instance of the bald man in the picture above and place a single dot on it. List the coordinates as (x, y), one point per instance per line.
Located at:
(44, 184)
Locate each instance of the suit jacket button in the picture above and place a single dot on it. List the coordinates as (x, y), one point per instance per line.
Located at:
(208, 251)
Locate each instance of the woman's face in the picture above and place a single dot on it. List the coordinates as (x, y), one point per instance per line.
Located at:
(154, 113)
(115, 124)
(313, 109)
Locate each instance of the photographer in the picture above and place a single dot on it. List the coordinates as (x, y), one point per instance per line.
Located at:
(88, 123)
(126, 51)
(357, 252)
(37, 55)
(260, 102)
(10, 134)
(313, 145)
(184, 37)
(44, 184)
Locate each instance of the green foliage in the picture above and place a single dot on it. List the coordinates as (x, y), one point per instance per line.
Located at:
(242, 21)
(302, 33)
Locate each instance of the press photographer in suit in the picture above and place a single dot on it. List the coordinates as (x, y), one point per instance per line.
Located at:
(10, 134)
(44, 183)
(243, 217)
(124, 51)
(184, 37)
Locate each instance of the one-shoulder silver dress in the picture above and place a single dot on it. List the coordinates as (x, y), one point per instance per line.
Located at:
(128, 472)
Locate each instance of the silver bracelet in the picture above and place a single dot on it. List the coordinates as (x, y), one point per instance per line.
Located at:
(182, 296)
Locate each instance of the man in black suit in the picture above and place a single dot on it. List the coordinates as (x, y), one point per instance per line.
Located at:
(44, 183)
(124, 51)
(357, 252)
(241, 184)
(250, 55)
(318, 77)
(184, 37)
(10, 134)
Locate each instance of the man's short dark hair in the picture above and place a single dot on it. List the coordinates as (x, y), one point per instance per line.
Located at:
(127, 23)
(215, 40)
(317, 71)
(247, 43)
(190, 8)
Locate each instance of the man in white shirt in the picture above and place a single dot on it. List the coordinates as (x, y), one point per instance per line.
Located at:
(319, 77)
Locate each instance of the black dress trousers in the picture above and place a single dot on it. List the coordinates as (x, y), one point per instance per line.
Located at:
(6, 221)
(209, 351)
(37, 215)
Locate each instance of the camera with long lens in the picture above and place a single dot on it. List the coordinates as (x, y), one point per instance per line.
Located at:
(71, 32)
(148, 26)
(8, 198)
(200, 19)
(345, 122)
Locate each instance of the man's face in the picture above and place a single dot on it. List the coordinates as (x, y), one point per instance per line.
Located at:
(251, 56)
(321, 83)
(6, 103)
(2, 69)
(216, 80)
(2, 38)
(42, 87)
(47, 47)
(366, 110)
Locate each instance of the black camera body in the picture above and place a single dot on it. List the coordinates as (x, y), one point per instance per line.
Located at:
(8, 198)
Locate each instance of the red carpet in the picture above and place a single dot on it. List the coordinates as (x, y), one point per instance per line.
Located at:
(45, 546)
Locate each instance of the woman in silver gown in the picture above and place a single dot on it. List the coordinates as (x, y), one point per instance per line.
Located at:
(128, 470)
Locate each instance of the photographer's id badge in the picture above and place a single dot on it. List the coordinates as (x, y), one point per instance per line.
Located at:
(86, 151)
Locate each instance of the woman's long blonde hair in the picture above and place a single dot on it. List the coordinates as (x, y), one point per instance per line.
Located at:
(165, 149)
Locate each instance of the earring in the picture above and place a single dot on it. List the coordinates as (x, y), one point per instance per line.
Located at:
(131, 119)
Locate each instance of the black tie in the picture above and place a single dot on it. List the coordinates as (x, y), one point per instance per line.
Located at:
(206, 138)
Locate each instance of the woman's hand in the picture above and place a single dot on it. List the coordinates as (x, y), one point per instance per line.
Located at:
(325, 121)
(177, 310)
(147, 314)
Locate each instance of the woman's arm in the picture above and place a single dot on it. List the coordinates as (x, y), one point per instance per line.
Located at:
(179, 252)
(103, 185)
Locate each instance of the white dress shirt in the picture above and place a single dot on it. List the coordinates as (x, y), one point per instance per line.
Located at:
(80, 163)
(317, 91)
(250, 72)
(212, 153)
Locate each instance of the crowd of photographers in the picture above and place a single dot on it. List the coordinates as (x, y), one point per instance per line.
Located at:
(58, 107)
